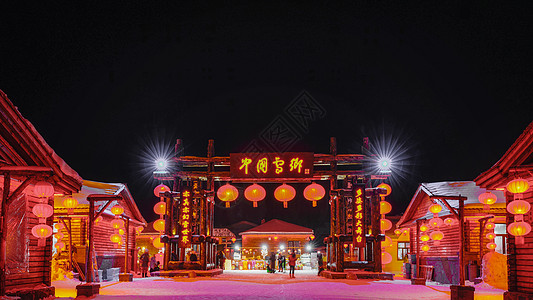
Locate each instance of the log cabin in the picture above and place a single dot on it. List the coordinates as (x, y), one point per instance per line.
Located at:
(26, 158)
(517, 162)
(445, 257)
(108, 255)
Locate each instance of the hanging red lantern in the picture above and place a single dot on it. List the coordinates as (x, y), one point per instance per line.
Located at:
(435, 209)
(424, 228)
(41, 231)
(139, 229)
(59, 226)
(489, 225)
(117, 210)
(121, 231)
(449, 221)
(386, 258)
(491, 235)
(425, 248)
(255, 193)
(491, 246)
(397, 232)
(70, 203)
(487, 199)
(518, 186)
(159, 225)
(160, 208)
(385, 224)
(59, 246)
(519, 230)
(437, 236)
(405, 231)
(518, 207)
(100, 218)
(59, 235)
(117, 223)
(424, 238)
(435, 222)
(115, 238)
(314, 192)
(386, 243)
(43, 189)
(384, 207)
(387, 187)
(157, 243)
(284, 193)
(227, 193)
(161, 189)
(43, 211)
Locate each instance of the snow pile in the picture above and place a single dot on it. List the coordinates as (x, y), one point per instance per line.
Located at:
(495, 270)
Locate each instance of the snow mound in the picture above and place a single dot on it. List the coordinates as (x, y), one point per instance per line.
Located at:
(495, 270)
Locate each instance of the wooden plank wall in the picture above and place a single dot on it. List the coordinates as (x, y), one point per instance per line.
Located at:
(39, 257)
(520, 258)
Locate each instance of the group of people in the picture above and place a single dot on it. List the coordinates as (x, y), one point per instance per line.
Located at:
(145, 261)
(271, 266)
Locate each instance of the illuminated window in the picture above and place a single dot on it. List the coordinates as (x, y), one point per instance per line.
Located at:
(403, 249)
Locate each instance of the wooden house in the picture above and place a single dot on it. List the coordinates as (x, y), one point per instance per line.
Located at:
(516, 163)
(445, 256)
(25, 158)
(108, 254)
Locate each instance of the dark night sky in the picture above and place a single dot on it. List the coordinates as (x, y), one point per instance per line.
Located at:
(452, 82)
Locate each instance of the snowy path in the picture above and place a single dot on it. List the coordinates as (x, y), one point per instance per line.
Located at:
(259, 285)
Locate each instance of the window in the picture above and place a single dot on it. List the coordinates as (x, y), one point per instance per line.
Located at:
(501, 238)
(403, 249)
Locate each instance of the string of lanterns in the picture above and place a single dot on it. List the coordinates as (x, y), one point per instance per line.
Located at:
(518, 208)
(117, 224)
(160, 208)
(42, 190)
(434, 223)
(491, 235)
(59, 237)
(283, 193)
(385, 208)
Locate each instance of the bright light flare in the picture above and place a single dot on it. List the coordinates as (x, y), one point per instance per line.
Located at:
(161, 164)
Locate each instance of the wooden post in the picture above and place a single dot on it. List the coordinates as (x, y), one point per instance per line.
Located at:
(418, 248)
(89, 277)
(3, 228)
(376, 230)
(334, 207)
(168, 228)
(462, 242)
(127, 245)
(69, 242)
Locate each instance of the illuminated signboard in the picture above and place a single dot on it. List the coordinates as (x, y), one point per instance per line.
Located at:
(359, 216)
(271, 165)
(185, 222)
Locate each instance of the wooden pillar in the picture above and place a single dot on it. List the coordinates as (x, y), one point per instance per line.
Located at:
(462, 242)
(169, 201)
(375, 222)
(90, 270)
(418, 248)
(3, 228)
(127, 248)
(70, 242)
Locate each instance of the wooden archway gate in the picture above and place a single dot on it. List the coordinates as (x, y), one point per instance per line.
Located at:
(193, 182)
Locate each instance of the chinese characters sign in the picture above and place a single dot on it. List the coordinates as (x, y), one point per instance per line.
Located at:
(271, 165)
(359, 216)
(185, 222)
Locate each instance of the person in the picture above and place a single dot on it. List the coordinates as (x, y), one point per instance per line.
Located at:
(292, 264)
(281, 258)
(320, 262)
(221, 259)
(145, 259)
(273, 262)
(152, 264)
(193, 256)
(157, 266)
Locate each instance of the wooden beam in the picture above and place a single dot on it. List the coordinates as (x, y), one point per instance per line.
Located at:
(3, 235)
(449, 207)
(19, 190)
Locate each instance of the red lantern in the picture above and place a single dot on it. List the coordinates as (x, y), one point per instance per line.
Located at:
(487, 199)
(115, 238)
(227, 193)
(387, 187)
(59, 235)
(386, 243)
(59, 226)
(43, 211)
(425, 248)
(70, 203)
(139, 229)
(121, 231)
(491, 235)
(159, 225)
(160, 208)
(384, 207)
(449, 221)
(517, 186)
(437, 236)
(161, 189)
(117, 210)
(386, 258)
(41, 231)
(424, 238)
(100, 218)
(385, 224)
(397, 232)
(435, 209)
(519, 230)
(255, 193)
(489, 226)
(435, 222)
(43, 189)
(157, 243)
(117, 223)
(424, 228)
(284, 193)
(314, 192)
(518, 208)
(491, 246)
(59, 246)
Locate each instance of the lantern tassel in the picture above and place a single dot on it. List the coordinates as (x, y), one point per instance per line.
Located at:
(255, 204)
(41, 242)
(314, 203)
(285, 204)
(227, 204)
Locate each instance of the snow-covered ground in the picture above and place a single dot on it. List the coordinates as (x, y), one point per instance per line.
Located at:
(256, 284)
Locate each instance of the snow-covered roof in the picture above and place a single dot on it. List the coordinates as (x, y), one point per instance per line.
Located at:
(276, 226)
(219, 232)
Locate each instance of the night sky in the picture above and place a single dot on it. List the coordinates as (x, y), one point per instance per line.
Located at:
(451, 83)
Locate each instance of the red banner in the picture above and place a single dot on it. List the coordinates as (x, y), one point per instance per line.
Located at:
(359, 216)
(185, 221)
(272, 165)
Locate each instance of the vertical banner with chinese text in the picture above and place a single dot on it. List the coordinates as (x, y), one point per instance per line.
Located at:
(185, 235)
(359, 216)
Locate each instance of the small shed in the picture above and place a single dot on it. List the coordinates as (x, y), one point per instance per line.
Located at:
(445, 256)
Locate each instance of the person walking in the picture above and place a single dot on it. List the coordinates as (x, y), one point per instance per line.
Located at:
(320, 262)
(273, 262)
(152, 264)
(281, 259)
(145, 259)
(292, 264)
